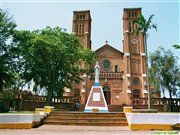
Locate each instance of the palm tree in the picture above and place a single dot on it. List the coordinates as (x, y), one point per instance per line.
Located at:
(143, 26)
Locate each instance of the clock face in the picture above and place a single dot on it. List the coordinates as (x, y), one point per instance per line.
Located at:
(134, 41)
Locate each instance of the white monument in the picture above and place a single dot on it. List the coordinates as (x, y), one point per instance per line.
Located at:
(96, 101)
(97, 72)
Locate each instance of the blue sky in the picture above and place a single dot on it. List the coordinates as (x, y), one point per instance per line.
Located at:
(106, 19)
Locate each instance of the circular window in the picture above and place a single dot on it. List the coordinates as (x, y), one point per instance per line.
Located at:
(106, 64)
(136, 81)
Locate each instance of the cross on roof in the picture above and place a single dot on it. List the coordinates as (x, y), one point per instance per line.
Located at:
(106, 41)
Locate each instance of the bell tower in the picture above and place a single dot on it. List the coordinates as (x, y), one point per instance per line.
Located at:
(82, 27)
(134, 56)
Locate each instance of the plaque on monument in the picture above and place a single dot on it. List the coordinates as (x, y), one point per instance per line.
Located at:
(96, 96)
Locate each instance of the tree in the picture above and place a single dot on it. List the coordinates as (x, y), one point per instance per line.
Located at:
(176, 46)
(143, 26)
(51, 57)
(165, 72)
(7, 27)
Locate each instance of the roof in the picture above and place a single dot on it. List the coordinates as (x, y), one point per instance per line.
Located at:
(138, 8)
(107, 46)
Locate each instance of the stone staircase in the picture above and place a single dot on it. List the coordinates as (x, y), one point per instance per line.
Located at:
(86, 119)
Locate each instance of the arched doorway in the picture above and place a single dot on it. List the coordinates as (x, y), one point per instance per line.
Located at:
(107, 94)
(136, 93)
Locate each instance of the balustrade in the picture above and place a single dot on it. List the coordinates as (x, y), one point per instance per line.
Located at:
(65, 99)
(155, 101)
(108, 75)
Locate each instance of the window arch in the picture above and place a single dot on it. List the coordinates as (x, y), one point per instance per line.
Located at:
(83, 29)
(129, 27)
(79, 28)
(129, 14)
(136, 93)
(83, 16)
(80, 16)
(132, 14)
(106, 88)
(135, 14)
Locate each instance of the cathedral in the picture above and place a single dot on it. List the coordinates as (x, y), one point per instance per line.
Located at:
(122, 73)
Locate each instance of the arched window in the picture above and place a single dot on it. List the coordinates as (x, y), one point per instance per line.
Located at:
(135, 26)
(136, 93)
(132, 14)
(79, 28)
(135, 14)
(80, 16)
(129, 27)
(83, 16)
(129, 14)
(83, 29)
(116, 68)
(106, 88)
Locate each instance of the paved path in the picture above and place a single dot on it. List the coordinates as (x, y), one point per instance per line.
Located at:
(73, 130)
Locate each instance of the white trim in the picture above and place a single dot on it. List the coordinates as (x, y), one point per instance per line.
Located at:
(143, 54)
(153, 118)
(145, 83)
(128, 91)
(67, 89)
(129, 84)
(126, 31)
(143, 75)
(128, 75)
(126, 54)
(83, 90)
(145, 92)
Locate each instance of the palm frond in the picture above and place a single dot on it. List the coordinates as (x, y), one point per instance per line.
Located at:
(154, 26)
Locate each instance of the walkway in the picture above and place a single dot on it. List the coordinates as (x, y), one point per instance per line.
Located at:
(74, 130)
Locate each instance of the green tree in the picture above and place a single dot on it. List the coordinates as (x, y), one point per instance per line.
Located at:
(176, 46)
(165, 72)
(51, 57)
(143, 26)
(7, 27)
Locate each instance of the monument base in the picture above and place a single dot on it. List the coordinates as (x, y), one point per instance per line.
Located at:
(96, 101)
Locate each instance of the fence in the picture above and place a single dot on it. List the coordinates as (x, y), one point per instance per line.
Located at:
(156, 103)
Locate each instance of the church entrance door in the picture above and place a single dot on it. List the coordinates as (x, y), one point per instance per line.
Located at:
(107, 94)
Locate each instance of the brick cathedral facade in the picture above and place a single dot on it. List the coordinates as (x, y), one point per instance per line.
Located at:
(122, 73)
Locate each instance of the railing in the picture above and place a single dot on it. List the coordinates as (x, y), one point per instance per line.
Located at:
(156, 101)
(65, 99)
(108, 75)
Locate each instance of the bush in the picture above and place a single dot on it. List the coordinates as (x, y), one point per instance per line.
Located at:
(175, 108)
(2, 107)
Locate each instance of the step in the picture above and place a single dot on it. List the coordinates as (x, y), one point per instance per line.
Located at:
(88, 123)
(85, 120)
(85, 116)
(77, 112)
